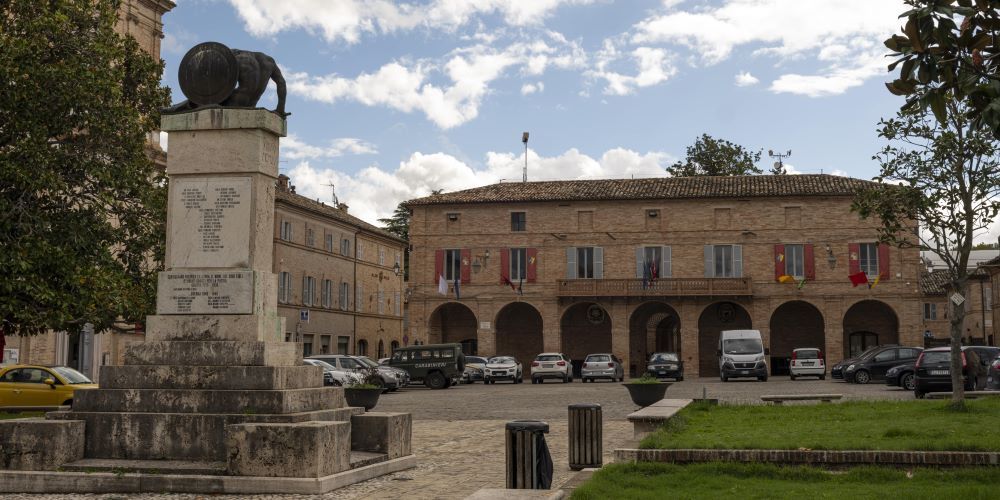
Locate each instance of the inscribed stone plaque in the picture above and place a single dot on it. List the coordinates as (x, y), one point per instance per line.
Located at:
(210, 222)
(205, 292)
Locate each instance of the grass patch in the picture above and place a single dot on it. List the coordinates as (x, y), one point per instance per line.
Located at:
(28, 414)
(765, 481)
(856, 425)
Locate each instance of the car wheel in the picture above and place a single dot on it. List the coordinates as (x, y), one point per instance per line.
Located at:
(762, 379)
(822, 377)
(909, 381)
(724, 378)
(680, 379)
(436, 381)
(862, 377)
(792, 377)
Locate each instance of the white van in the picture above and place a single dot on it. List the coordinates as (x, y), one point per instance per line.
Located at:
(742, 354)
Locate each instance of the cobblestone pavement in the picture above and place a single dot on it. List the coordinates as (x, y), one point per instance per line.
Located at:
(458, 433)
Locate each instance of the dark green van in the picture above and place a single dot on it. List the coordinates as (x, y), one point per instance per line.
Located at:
(437, 365)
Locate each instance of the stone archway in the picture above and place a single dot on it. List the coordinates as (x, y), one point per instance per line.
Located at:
(867, 324)
(519, 333)
(454, 323)
(653, 327)
(794, 324)
(713, 320)
(586, 329)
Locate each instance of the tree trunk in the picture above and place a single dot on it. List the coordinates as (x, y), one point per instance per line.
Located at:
(957, 387)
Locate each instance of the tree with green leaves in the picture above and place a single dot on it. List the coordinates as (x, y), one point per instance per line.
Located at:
(949, 192)
(711, 156)
(399, 224)
(949, 50)
(82, 205)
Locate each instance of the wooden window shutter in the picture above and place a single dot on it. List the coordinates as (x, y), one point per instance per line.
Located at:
(779, 261)
(709, 261)
(737, 261)
(466, 267)
(640, 262)
(532, 273)
(665, 265)
(571, 263)
(598, 263)
(853, 258)
(809, 256)
(438, 265)
(883, 262)
(504, 264)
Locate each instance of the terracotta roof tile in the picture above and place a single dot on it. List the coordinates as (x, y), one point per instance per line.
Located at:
(655, 188)
(335, 213)
(937, 282)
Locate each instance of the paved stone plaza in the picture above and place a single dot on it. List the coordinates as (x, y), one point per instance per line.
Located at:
(458, 433)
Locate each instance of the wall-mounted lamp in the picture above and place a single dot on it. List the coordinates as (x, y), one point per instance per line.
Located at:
(453, 217)
(652, 213)
(830, 258)
(396, 269)
(747, 232)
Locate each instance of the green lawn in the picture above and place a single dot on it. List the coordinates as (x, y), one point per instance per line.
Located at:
(4, 415)
(861, 425)
(750, 481)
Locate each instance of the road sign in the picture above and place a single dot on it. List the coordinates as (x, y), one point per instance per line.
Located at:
(304, 315)
(957, 298)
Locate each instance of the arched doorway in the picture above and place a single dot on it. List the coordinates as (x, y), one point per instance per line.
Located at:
(454, 323)
(794, 324)
(381, 350)
(393, 346)
(867, 324)
(653, 327)
(519, 333)
(362, 348)
(714, 319)
(586, 329)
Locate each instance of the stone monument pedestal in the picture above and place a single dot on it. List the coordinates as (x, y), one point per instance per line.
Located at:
(214, 401)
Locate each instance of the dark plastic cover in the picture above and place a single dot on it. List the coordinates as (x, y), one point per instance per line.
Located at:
(528, 425)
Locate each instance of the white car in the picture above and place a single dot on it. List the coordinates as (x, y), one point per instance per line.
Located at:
(807, 362)
(551, 365)
(333, 375)
(503, 368)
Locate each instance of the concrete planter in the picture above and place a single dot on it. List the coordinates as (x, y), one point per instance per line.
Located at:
(646, 394)
(366, 398)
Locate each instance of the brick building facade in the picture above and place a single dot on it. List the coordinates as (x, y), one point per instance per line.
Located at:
(643, 265)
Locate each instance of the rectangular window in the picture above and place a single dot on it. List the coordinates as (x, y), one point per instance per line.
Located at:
(308, 290)
(284, 287)
(342, 343)
(307, 345)
(868, 258)
(381, 256)
(652, 256)
(518, 221)
(930, 311)
(359, 303)
(452, 264)
(286, 230)
(397, 305)
(345, 247)
(345, 296)
(381, 302)
(518, 264)
(327, 293)
(359, 250)
(795, 261)
(723, 261)
(585, 262)
(324, 344)
(310, 237)
(329, 243)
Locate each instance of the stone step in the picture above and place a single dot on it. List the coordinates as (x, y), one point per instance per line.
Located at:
(173, 467)
(208, 400)
(213, 353)
(175, 436)
(365, 458)
(211, 377)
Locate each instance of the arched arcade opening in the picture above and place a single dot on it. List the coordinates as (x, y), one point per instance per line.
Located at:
(653, 327)
(586, 329)
(454, 323)
(519, 333)
(794, 324)
(713, 320)
(869, 323)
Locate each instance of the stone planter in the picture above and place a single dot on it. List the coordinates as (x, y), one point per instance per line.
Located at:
(366, 398)
(647, 394)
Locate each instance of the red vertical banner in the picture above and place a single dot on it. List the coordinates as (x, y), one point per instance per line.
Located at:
(809, 256)
(779, 261)
(504, 265)
(438, 265)
(854, 258)
(466, 265)
(883, 262)
(532, 254)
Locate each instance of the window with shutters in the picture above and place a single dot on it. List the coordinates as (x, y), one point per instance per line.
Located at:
(651, 258)
(381, 256)
(723, 261)
(381, 302)
(345, 246)
(518, 221)
(359, 250)
(284, 287)
(345, 295)
(310, 237)
(585, 262)
(868, 258)
(795, 261)
(452, 264)
(518, 264)
(359, 298)
(930, 311)
(329, 243)
(396, 304)
(328, 293)
(286, 230)
(308, 290)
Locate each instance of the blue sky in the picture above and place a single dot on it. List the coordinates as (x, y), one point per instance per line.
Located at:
(392, 99)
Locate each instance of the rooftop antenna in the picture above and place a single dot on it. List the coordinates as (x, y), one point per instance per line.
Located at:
(524, 139)
(333, 193)
(780, 165)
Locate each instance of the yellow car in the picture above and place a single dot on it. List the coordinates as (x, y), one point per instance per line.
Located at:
(33, 385)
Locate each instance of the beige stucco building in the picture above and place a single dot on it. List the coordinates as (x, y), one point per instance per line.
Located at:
(643, 265)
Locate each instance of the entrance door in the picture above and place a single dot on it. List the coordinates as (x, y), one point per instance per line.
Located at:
(861, 342)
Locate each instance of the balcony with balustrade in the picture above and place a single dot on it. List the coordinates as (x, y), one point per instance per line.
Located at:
(662, 287)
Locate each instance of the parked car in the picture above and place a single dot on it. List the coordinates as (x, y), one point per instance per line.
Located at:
(438, 366)
(742, 354)
(902, 376)
(333, 375)
(993, 376)
(504, 368)
(551, 365)
(875, 363)
(807, 362)
(402, 377)
(43, 386)
(933, 370)
(475, 369)
(837, 371)
(390, 378)
(665, 365)
(605, 365)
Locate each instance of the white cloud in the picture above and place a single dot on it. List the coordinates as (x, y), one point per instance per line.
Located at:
(295, 149)
(409, 86)
(374, 192)
(654, 66)
(349, 20)
(845, 35)
(531, 88)
(745, 79)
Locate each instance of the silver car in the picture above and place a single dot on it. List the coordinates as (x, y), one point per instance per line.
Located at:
(390, 377)
(597, 366)
(333, 375)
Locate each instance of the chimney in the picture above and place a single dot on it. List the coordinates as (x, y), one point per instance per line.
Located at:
(342, 206)
(283, 183)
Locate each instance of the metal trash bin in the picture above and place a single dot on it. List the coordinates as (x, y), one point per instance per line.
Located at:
(586, 433)
(529, 464)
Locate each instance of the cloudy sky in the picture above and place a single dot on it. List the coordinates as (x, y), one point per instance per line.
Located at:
(391, 99)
